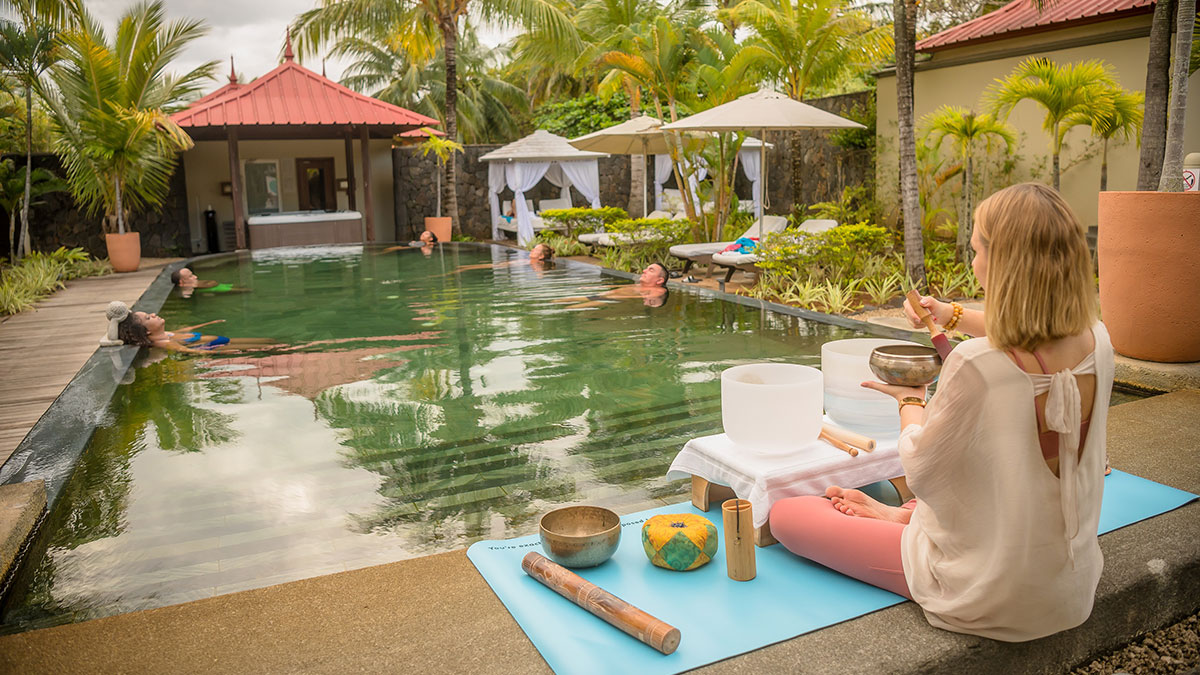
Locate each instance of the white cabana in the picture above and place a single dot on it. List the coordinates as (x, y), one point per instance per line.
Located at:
(748, 158)
(520, 165)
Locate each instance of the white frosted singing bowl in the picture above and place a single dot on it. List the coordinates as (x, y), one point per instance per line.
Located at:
(845, 365)
(773, 407)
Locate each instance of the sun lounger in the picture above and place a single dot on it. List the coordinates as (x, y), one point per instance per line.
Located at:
(605, 239)
(702, 253)
(748, 262)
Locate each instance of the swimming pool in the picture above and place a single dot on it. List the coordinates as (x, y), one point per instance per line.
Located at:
(415, 410)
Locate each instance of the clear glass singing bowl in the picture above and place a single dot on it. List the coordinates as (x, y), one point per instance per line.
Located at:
(845, 365)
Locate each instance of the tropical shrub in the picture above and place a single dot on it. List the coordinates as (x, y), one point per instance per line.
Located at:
(40, 274)
(562, 244)
(653, 239)
(855, 205)
(845, 249)
(583, 115)
(584, 220)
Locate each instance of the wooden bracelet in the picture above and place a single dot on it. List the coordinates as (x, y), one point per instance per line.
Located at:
(958, 312)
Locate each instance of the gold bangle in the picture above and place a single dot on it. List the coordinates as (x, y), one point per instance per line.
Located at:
(911, 400)
(958, 312)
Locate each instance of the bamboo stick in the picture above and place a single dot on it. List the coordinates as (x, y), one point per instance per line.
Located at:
(846, 436)
(840, 445)
(618, 613)
(739, 539)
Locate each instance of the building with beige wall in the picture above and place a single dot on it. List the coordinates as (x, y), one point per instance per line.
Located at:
(956, 68)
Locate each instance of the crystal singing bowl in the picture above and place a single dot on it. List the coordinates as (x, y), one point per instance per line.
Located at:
(773, 407)
(906, 365)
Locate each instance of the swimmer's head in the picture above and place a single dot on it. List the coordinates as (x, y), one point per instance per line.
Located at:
(183, 277)
(655, 274)
(542, 252)
(428, 237)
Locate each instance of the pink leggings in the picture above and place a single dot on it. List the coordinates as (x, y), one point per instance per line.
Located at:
(864, 548)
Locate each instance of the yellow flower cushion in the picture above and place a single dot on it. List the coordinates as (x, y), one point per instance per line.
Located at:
(681, 541)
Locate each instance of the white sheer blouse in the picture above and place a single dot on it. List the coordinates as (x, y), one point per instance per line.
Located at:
(998, 545)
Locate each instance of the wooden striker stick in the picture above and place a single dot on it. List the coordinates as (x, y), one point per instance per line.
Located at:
(840, 445)
(850, 437)
(657, 633)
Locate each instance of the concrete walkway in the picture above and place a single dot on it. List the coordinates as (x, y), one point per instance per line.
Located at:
(42, 349)
(436, 614)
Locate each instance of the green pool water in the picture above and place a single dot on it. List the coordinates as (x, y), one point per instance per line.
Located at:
(410, 410)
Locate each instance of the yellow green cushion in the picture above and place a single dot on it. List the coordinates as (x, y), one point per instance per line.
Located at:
(681, 541)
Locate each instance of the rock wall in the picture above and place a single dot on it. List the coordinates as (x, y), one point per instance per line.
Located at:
(58, 222)
(416, 189)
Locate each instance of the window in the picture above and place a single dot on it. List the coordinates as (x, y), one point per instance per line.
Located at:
(262, 186)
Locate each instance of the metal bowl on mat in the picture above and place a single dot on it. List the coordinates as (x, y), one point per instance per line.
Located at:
(580, 536)
(906, 365)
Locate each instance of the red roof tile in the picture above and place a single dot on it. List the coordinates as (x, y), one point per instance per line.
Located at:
(1020, 16)
(292, 95)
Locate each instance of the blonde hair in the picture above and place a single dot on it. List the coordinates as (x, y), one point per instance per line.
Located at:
(1039, 272)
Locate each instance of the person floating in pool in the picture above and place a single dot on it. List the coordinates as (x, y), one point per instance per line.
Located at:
(424, 242)
(149, 330)
(651, 289)
(188, 284)
(540, 256)
(1006, 460)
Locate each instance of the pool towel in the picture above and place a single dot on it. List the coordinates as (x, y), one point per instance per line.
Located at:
(717, 616)
(764, 479)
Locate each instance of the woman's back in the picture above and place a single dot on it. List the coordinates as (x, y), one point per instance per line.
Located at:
(999, 545)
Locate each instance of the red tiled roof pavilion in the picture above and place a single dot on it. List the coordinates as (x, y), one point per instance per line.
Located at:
(1021, 17)
(293, 102)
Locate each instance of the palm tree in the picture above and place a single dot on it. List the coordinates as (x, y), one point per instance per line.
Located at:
(904, 17)
(1158, 83)
(1061, 89)
(1171, 179)
(807, 44)
(17, 189)
(401, 18)
(966, 128)
(110, 110)
(1117, 113)
(393, 73)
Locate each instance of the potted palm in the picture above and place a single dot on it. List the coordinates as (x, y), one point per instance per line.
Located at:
(1147, 241)
(443, 149)
(110, 110)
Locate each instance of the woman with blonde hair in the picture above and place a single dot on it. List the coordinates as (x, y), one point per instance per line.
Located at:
(1007, 459)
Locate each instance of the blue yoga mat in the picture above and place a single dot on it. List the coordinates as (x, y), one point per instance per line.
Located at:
(718, 617)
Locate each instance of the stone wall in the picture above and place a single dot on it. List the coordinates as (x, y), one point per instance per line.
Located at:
(58, 222)
(416, 189)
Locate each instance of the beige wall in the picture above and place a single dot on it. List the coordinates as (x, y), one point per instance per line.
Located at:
(964, 85)
(207, 166)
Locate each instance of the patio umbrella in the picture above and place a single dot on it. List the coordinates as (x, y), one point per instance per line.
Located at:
(638, 136)
(764, 110)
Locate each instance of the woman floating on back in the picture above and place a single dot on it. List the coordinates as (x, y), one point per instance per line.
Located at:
(144, 329)
(1006, 461)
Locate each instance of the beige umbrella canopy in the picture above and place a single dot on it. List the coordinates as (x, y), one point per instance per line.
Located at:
(764, 110)
(639, 136)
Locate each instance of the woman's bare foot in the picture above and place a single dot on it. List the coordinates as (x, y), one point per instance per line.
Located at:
(857, 503)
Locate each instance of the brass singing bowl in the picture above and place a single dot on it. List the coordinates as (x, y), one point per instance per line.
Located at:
(580, 536)
(906, 365)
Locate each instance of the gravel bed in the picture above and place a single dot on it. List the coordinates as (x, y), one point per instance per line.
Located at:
(1171, 650)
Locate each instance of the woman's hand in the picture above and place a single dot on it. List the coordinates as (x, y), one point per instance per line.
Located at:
(941, 311)
(896, 391)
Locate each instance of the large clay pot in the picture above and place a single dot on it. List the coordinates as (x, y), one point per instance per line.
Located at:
(439, 226)
(124, 251)
(1148, 248)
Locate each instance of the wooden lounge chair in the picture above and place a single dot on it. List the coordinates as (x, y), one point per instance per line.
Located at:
(748, 262)
(702, 254)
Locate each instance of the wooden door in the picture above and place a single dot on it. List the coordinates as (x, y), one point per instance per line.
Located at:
(315, 184)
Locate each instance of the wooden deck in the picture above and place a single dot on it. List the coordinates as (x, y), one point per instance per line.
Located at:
(42, 349)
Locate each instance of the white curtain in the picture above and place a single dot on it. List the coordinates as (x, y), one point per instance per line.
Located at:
(752, 167)
(585, 176)
(694, 181)
(556, 176)
(522, 176)
(662, 173)
(495, 186)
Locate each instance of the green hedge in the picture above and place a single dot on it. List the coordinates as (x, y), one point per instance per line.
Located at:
(40, 274)
(582, 221)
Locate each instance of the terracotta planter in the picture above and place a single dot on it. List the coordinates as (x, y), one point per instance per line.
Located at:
(439, 226)
(124, 251)
(1150, 273)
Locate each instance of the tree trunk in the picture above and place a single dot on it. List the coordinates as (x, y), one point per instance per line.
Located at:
(1056, 149)
(28, 171)
(905, 12)
(1154, 119)
(637, 163)
(1104, 166)
(120, 208)
(962, 243)
(1171, 179)
(440, 170)
(450, 49)
(12, 234)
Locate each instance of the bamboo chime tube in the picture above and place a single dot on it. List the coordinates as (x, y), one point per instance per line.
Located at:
(655, 632)
(850, 437)
(739, 539)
